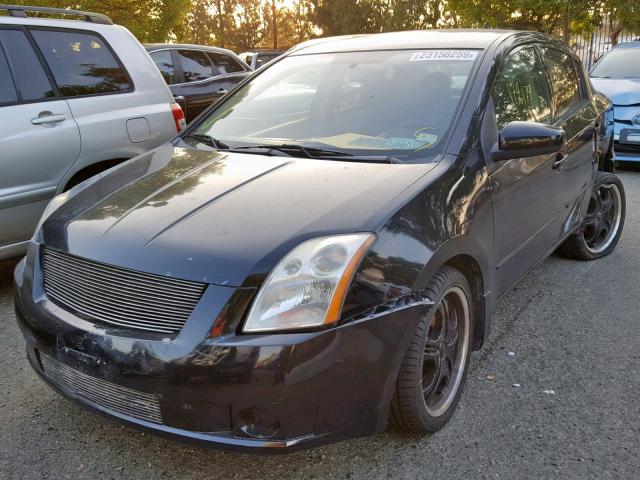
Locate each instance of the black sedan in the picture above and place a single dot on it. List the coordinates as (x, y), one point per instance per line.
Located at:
(319, 254)
(198, 76)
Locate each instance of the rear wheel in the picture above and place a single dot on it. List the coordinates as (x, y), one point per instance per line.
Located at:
(434, 369)
(603, 223)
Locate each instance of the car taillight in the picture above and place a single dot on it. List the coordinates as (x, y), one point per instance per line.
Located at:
(178, 116)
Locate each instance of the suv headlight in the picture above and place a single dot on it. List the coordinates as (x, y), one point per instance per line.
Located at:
(307, 288)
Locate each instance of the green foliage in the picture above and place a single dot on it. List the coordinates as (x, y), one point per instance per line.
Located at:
(246, 24)
(148, 20)
(549, 16)
(337, 17)
(624, 14)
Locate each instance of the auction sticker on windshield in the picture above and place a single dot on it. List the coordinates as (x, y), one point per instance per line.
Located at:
(439, 55)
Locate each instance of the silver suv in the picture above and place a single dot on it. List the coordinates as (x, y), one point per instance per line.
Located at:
(77, 97)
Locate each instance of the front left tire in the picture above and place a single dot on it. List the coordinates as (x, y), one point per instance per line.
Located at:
(434, 368)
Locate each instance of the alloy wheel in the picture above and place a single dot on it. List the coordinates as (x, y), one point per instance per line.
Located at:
(602, 221)
(445, 351)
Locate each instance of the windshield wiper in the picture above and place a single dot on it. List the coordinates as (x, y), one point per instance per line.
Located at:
(321, 153)
(365, 158)
(309, 152)
(208, 140)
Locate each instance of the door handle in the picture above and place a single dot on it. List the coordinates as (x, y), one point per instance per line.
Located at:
(560, 159)
(222, 91)
(47, 117)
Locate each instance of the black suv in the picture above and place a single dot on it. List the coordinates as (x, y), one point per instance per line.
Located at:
(198, 76)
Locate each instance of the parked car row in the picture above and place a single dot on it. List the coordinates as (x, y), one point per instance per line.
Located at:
(258, 58)
(198, 76)
(317, 254)
(76, 98)
(86, 97)
(617, 75)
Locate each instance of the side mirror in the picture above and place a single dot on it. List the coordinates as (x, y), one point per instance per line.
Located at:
(527, 139)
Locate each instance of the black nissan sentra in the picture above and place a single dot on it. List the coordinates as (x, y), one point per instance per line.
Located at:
(318, 255)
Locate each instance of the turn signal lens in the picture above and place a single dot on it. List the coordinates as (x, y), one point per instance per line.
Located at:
(307, 288)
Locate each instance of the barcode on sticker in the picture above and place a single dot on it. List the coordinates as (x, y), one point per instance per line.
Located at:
(439, 55)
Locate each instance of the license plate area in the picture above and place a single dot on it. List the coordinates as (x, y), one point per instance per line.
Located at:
(630, 135)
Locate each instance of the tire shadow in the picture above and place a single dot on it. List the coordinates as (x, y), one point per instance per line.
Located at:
(6, 274)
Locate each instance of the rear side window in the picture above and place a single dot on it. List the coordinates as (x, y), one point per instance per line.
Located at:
(248, 59)
(81, 63)
(196, 65)
(264, 59)
(226, 64)
(8, 92)
(164, 62)
(564, 81)
(32, 82)
(521, 90)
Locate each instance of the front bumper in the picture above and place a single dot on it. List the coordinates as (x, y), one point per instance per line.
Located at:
(625, 150)
(267, 393)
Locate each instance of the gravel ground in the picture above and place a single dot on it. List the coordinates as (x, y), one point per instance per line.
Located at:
(572, 327)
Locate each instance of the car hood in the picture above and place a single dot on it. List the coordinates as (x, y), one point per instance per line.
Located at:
(221, 218)
(623, 91)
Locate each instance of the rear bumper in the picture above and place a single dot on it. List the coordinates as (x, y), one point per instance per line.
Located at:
(265, 393)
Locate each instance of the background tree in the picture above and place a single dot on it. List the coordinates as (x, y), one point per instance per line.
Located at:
(414, 14)
(622, 15)
(341, 17)
(148, 20)
(250, 28)
(551, 16)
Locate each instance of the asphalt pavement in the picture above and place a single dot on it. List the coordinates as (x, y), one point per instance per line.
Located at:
(554, 394)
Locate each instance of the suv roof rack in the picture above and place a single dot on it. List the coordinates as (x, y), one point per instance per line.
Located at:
(21, 12)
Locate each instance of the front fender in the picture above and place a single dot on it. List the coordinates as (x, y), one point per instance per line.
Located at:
(449, 220)
(604, 132)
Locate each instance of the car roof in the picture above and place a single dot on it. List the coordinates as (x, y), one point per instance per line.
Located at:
(262, 50)
(68, 23)
(152, 47)
(631, 44)
(446, 38)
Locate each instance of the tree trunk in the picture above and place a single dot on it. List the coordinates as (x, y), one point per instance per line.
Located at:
(566, 34)
(615, 34)
(274, 24)
(220, 24)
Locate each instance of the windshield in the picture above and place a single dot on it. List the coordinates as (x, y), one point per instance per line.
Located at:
(620, 63)
(396, 103)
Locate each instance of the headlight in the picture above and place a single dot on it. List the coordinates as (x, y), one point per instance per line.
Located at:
(307, 288)
(55, 203)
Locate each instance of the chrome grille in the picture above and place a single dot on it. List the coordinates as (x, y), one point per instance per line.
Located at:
(118, 296)
(626, 148)
(126, 401)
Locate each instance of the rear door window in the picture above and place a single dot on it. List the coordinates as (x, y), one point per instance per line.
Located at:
(81, 63)
(564, 81)
(226, 64)
(164, 62)
(32, 81)
(8, 92)
(521, 90)
(196, 65)
(264, 59)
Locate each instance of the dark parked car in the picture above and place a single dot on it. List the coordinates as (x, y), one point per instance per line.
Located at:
(320, 253)
(258, 58)
(198, 76)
